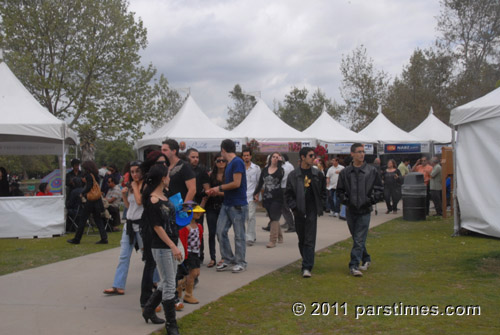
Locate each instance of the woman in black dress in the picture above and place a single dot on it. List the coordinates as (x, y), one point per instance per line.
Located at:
(392, 186)
(272, 196)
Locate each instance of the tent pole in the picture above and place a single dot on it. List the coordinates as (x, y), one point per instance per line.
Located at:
(456, 219)
(63, 170)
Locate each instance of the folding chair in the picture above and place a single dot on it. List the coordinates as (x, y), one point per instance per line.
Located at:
(73, 217)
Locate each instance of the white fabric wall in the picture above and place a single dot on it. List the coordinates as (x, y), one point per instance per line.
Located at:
(32, 216)
(478, 175)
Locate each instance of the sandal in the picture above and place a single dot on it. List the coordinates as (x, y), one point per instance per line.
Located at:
(211, 264)
(114, 291)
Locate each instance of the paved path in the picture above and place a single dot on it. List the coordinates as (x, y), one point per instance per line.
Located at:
(66, 297)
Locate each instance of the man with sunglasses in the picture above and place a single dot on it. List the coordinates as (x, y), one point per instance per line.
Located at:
(305, 195)
(359, 187)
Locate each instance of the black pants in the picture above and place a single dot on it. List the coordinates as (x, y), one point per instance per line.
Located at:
(149, 267)
(437, 200)
(95, 208)
(392, 195)
(212, 217)
(427, 200)
(306, 228)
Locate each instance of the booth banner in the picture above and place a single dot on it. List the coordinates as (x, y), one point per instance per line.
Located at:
(438, 148)
(205, 145)
(406, 148)
(54, 179)
(30, 148)
(282, 146)
(344, 148)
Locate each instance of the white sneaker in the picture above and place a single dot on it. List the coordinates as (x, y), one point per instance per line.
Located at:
(365, 266)
(331, 214)
(356, 273)
(306, 274)
(335, 214)
(238, 268)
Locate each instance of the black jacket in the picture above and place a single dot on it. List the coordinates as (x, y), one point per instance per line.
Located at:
(295, 193)
(360, 191)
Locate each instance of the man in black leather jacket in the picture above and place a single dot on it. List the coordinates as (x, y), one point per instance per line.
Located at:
(359, 187)
(305, 195)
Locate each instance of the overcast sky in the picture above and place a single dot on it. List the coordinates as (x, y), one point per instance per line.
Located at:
(272, 45)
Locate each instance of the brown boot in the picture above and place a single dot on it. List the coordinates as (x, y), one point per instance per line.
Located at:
(280, 234)
(273, 236)
(181, 286)
(188, 297)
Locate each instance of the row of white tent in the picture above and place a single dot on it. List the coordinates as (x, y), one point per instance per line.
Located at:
(28, 128)
(191, 126)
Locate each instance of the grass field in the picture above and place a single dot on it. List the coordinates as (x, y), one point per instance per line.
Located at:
(22, 254)
(415, 264)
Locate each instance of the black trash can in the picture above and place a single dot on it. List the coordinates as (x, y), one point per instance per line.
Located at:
(414, 193)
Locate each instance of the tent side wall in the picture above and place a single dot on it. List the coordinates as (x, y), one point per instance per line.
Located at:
(478, 179)
(32, 216)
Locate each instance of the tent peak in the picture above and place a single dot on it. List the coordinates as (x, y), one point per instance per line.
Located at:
(431, 112)
(379, 110)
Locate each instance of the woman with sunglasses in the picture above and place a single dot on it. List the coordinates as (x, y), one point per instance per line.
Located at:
(159, 213)
(214, 204)
(272, 196)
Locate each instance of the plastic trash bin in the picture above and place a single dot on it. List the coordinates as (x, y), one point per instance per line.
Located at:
(414, 193)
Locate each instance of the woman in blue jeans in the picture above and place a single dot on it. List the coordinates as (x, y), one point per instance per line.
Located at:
(131, 238)
(159, 213)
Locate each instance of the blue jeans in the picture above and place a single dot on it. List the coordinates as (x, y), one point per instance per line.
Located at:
(167, 268)
(124, 260)
(358, 226)
(236, 217)
(334, 200)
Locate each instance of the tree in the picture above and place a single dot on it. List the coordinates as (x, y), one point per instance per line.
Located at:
(424, 83)
(80, 59)
(166, 102)
(471, 33)
(243, 104)
(363, 89)
(118, 152)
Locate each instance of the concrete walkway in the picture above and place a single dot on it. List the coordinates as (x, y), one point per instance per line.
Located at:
(66, 297)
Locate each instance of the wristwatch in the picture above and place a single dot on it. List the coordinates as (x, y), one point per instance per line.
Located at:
(220, 188)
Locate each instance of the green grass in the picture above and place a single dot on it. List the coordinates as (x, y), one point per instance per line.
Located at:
(414, 263)
(22, 254)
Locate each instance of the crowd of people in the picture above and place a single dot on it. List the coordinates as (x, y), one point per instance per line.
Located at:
(169, 235)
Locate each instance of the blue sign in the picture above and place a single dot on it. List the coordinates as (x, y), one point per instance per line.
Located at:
(402, 148)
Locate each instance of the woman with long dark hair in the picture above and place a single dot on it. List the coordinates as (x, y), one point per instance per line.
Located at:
(159, 212)
(272, 197)
(392, 186)
(94, 207)
(214, 204)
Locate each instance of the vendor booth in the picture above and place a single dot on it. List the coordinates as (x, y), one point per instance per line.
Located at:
(192, 129)
(435, 131)
(267, 133)
(336, 138)
(27, 128)
(392, 139)
(477, 161)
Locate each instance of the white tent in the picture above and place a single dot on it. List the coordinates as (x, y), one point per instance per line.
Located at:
(477, 162)
(264, 126)
(191, 126)
(26, 128)
(394, 139)
(433, 129)
(335, 136)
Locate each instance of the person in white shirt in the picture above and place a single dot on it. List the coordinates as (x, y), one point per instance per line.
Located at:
(332, 176)
(253, 175)
(285, 210)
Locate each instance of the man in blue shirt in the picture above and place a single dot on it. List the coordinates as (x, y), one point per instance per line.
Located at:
(233, 211)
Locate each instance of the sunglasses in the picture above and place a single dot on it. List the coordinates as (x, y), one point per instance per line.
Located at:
(220, 161)
(161, 162)
(136, 163)
(311, 155)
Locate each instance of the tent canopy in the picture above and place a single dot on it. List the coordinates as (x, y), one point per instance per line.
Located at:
(433, 129)
(384, 131)
(478, 140)
(327, 129)
(486, 107)
(190, 123)
(22, 114)
(263, 125)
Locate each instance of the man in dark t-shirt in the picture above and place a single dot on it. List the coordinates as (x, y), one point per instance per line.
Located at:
(181, 177)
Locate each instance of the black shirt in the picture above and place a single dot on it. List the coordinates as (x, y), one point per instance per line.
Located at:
(201, 178)
(179, 174)
(309, 195)
(161, 214)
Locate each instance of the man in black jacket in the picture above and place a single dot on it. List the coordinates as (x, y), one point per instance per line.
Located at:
(306, 196)
(359, 187)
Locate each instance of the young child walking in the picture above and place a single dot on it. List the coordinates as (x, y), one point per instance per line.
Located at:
(191, 238)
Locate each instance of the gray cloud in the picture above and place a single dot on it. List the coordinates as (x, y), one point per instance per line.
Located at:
(271, 46)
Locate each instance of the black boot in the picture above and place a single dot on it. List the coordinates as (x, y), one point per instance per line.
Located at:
(171, 323)
(149, 309)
